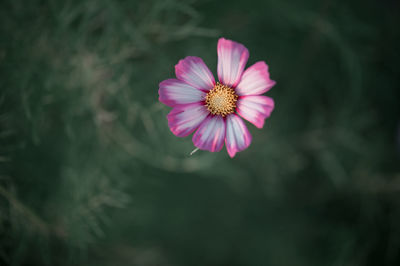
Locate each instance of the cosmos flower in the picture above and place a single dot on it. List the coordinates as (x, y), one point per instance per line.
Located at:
(214, 110)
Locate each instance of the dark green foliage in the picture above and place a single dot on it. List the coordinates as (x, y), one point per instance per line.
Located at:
(91, 175)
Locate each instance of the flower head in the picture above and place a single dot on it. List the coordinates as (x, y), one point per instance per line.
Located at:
(214, 110)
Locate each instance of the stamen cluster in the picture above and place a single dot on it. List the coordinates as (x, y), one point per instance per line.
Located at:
(221, 100)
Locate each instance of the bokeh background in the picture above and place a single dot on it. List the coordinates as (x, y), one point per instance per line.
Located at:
(91, 175)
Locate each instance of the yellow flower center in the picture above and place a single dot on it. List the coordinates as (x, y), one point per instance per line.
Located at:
(221, 100)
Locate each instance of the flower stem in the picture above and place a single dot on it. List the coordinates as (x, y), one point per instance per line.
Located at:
(193, 151)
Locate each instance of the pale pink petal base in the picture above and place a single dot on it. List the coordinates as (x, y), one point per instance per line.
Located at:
(255, 80)
(238, 136)
(255, 109)
(232, 58)
(211, 134)
(194, 71)
(184, 119)
(174, 92)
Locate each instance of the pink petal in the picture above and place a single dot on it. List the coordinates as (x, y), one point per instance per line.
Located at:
(211, 134)
(255, 109)
(194, 71)
(238, 137)
(255, 80)
(184, 119)
(173, 92)
(232, 58)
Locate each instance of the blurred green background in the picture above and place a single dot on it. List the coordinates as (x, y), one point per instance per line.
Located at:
(91, 175)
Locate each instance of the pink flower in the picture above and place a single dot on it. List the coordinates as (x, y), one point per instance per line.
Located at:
(215, 109)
